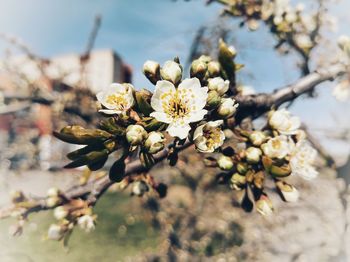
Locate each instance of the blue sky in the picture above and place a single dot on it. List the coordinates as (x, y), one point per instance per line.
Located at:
(159, 30)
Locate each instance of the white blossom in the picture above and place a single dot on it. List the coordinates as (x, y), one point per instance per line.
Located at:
(87, 223)
(180, 106)
(253, 154)
(301, 161)
(117, 98)
(277, 147)
(209, 137)
(219, 85)
(283, 122)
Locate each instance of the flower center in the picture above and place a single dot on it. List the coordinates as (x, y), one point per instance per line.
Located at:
(117, 100)
(213, 137)
(177, 106)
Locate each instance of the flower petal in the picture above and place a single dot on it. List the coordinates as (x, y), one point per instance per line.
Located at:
(180, 131)
(109, 111)
(163, 92)
(161, 117)
(197, 115)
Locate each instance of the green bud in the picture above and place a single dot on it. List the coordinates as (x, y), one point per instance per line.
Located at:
(257, 138)
(143, 98)
(238, 181)
(82, 136)
(214, 69)
(198, 69)
(225, 162)
(213, 99)
(151, 70)
(135, 134)
(264, 205)
(282, 171)
(171, 71)
(253, 155)
(242, 168)
(154, 142)
(227, 108)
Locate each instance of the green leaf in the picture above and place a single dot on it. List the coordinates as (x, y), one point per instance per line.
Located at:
(117, 171)
(110, 125)
(81, 136)
(88, 159)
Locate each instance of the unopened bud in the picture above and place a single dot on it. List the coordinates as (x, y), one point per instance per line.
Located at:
(227, 108)
(242, 168)
(53, 201)
(139, 188)
(225, 162)
(151, 70)
(55, 232)
(171, 71)
(288, 192)
(154, 142)
(253, 155)
(213, 99)
(60, 213)
(86, 223)
(198, 69)
(214, 68)
(264, 206)
(135, 134)
(53, 192)
(219, 85)
(257, 138)
(237, 181)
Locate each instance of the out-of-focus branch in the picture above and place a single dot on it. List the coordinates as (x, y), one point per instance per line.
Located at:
(253, 106)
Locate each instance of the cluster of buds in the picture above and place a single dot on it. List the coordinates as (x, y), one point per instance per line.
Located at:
(75, 212)
(278, 151)
(290, 24)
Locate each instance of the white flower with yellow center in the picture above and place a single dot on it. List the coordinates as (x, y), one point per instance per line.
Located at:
(209, 137)
(283, 122)
(277, 147)
(117, 98)
(180, 106)
(301, 161)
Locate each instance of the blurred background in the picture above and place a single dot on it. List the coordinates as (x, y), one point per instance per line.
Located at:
(55, 55)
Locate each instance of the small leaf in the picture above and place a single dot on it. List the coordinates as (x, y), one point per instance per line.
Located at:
(142, 100)
(90, 158)
(117, 171)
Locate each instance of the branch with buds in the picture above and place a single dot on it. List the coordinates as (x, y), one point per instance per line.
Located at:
(194, 111)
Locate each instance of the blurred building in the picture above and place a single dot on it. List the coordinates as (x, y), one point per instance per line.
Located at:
(18, 73)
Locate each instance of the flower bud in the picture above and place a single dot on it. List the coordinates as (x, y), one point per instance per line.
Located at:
(53, 201)
(264, 205)
(227, 108)
(86, 223)
(139, 188)
(151, 70)
(225, 162)
(171, 71)
(154, 142)
(198, 69)
(55, 232)
(253, 155)
(214, 68)
(288, 192)
(53, 192)
(237, 181)
(257, 138)
(213, 99)
(242, 168)
(219, 85)
(60, 213)
(135, 134)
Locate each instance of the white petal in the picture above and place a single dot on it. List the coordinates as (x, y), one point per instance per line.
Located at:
(109, 111)
(190, 83)
(161, 117)
(197, 116)
(198, 132)
(180, 131)
(162, 87)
